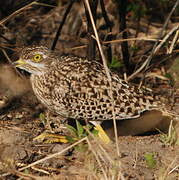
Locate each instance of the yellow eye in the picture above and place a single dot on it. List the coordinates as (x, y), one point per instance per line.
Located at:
(37, 57)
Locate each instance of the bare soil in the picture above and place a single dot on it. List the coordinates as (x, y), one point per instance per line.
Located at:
(20, 124)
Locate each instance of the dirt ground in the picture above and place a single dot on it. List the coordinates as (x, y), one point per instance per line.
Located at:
(150, 156)
(21, 123)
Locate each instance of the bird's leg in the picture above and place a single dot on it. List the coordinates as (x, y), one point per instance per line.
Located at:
(54, 128)
(101, 133)
(56, 123)
(48, 126)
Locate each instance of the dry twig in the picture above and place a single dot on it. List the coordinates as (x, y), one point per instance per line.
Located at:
(48, 157)
(147, 62)
(107, 73)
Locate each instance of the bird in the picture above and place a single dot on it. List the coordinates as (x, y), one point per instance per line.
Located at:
(78, 88)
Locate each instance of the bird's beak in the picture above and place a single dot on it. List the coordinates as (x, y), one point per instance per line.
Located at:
(19, 63)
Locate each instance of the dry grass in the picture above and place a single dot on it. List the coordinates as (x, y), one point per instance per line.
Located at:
(99, 161)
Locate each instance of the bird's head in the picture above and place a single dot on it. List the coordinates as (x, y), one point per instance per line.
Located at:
(35, 60)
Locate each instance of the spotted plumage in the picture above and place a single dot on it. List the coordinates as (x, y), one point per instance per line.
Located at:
(77, 88)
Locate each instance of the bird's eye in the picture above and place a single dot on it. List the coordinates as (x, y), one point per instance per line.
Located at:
(37, 58)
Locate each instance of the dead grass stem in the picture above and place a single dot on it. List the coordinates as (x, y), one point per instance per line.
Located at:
(107, 73)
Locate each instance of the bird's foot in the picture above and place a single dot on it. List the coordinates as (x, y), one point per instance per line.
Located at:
(102, 134)
(47, 137)
(56, 131)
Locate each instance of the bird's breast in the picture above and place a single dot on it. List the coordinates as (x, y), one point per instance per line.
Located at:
(50, 92)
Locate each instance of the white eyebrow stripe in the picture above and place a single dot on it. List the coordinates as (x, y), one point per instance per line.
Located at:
(35, 64)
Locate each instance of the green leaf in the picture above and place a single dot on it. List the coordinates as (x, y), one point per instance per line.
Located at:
(89, 126)
(80, 129)
(42, 118)
(70, 139)
(115, 63)
(150, 160)
(95, 132)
